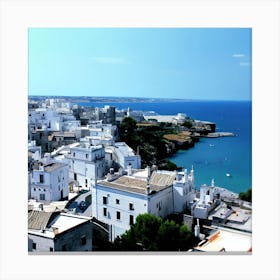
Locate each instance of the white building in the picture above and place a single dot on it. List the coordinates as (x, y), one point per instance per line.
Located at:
(49, 182)
(35, 151)
(54, 231)
(97, 133)
(124, 156)
(52, 119)
(180, 118)
(207, 201)
(107, 114)
(86, 164)
(118, 200)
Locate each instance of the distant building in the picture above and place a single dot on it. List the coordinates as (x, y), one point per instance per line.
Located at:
(180, 118)
(58, 139)
(107, 114)
(118, 200)
(138, 116)
(49, 182)
(55, 231)
(53, 116)
(97, 133)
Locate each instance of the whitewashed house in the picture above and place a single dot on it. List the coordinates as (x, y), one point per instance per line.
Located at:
(49, 182)
(124, 156)
(55, 231)
(119, 199)
(86, 164)
(97, 133)
(207, 201)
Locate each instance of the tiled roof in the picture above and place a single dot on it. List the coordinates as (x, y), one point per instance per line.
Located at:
(157, 182)
(38, 219)
(161, 180)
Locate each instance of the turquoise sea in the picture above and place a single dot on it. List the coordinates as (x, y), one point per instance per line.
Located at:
(212, 158)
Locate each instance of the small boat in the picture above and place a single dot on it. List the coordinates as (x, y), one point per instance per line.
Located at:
(228, 174)
(211, 145)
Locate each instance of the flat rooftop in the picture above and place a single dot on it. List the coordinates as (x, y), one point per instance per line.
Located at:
(53, 166)
(124, 149)
(162, 118)
(226, 240)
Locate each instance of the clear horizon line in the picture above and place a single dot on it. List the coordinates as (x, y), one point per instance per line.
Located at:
(136, 97)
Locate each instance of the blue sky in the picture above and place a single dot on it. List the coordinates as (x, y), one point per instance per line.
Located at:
(189, 63)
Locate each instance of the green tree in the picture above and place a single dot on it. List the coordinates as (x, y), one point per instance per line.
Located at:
(247, 196)
(188, 124)
(153, 234)
(168, 236)
(145, 231)
(128, 132)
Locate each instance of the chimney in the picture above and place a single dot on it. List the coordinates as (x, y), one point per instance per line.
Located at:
(55, 230)
(148, 189)
(129, 169)
(197, 229)
(149, 171)
(177, 175)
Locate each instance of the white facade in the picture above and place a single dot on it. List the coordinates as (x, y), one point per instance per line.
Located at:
(36, 151)
(118, 200)
(97, 133)
(117, 208)
(206, 203)
(125, 156)
(87, 164)
(52, 119)
(44, 119)
(49, 182)
(58, 232)
(184, 190)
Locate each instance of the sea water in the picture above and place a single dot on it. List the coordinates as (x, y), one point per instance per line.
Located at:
(211, 158)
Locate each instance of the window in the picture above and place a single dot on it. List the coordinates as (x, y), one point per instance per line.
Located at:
(86, 182)
(84, 240)
(131, 220)
(63, 248)
(75, 176)
(41, 178)
(86, 155)
(42, 196)
(105, 200)
(73, 154)
(34, 246)
(118, 215)
(131, 207)
(104, 211)
(51, 249)
(117, 201)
